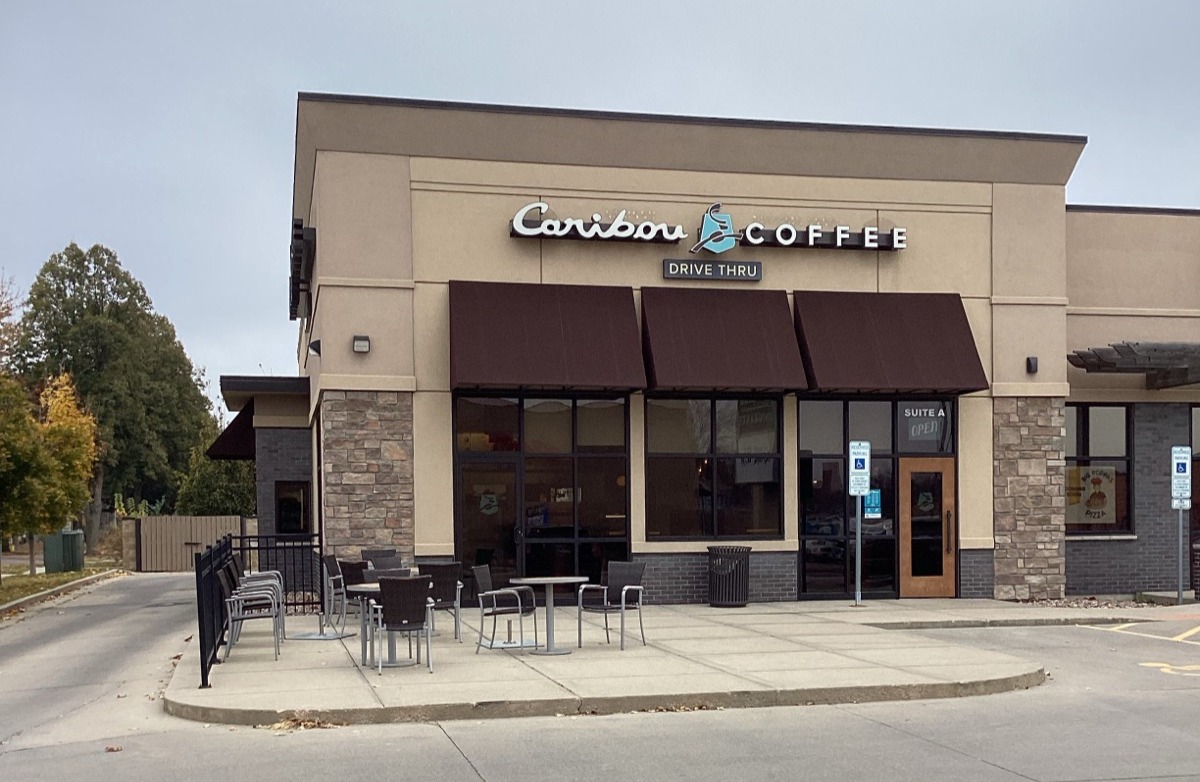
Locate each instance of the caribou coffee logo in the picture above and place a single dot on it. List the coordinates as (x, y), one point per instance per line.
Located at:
(717, 232)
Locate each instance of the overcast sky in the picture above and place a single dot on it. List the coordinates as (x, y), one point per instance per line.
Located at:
(166, 130)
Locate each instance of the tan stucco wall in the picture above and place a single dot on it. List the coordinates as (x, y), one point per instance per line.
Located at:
(975, 472)
(284, 412)
(1133, 277)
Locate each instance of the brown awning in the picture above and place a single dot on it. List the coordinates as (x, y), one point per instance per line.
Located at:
(237, 441)
(549, 337)
(700, 339)
(887, 343)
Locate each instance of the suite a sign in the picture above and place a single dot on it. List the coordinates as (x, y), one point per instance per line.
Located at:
(1091, 495)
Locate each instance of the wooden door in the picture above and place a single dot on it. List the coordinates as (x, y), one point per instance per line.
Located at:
(928, 528)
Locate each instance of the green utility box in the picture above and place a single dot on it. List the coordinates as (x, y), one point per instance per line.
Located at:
(72, 548)
(52, 552)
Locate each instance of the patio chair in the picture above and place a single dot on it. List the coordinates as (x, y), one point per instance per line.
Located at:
(405, 607)
(244, 605)
(335, 591)
(447, 591)
(512, 602)
(240, 583)
(371, 554)
(385, 563)
(622, 591)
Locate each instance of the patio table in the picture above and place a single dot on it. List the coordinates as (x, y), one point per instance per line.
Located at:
(549, 582)
(367, 591)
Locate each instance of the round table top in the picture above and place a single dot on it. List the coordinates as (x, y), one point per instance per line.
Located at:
(534, 580)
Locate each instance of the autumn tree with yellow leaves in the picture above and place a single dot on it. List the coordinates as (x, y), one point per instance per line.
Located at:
(46, 458)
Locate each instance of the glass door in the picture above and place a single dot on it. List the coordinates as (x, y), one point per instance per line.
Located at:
(928, 532)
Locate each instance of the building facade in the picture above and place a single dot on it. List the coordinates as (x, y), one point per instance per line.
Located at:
(543, 340)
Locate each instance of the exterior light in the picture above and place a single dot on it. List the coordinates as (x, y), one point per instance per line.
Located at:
(361, 343)
(1031, 364)
(314, 347)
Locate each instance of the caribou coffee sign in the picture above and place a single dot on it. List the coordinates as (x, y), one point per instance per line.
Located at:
(716, 234)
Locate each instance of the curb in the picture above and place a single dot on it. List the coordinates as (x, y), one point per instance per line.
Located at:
(745, 699)
(21, 602)
(963, 624)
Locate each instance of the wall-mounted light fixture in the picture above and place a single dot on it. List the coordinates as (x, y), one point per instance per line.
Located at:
(1031, 364)
(361, 343)
(314, 347)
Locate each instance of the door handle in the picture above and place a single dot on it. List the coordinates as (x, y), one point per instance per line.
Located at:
(946, 535)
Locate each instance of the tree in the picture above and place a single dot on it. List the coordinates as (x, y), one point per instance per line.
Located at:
(58, 453)
(88, 316)
(9, 301)
(216, 487)
(21, 452)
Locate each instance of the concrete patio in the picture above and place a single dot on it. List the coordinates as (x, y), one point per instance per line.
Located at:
(766, 654)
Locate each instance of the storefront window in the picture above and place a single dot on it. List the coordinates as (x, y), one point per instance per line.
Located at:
(1098, 470)
(487, 424)
(713, 468)
(924, 427)
(872, 421)
(542, 484)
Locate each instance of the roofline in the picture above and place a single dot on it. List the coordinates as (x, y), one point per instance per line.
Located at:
(237, 390)
(418, 103)
(1134, 210)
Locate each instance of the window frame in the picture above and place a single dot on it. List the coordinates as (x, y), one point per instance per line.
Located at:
(713, 455)
(1083, 458)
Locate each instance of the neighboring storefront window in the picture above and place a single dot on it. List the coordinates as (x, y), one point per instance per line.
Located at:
(1098, 469)
(291, 507)
(827, 511)
(713, 468)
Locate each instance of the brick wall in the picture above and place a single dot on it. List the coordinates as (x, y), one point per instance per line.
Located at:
(977, 573)
(1029, 501)
(1150, 561)
(367, 454)
(683, 578)
(280, 455)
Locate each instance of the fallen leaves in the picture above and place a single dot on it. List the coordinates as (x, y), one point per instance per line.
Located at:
(114, 748)
(298, 722)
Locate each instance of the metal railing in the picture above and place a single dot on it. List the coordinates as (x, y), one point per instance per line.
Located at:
(210, 604)
(296, 557)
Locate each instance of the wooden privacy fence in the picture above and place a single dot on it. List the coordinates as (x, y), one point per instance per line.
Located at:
(169, 544)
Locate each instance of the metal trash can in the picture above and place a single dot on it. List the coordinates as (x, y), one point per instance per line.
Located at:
(72, 549)
(52, 552)
(728, 576)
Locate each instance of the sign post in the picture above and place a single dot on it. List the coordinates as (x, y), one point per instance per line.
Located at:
(860, 486)
(1181, 499)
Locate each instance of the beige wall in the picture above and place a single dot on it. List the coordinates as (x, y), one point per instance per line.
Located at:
(458, 218)
(1133, 276)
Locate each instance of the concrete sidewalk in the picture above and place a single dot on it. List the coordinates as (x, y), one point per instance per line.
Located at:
(766, 654)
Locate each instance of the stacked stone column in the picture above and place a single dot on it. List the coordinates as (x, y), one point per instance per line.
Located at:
(1029, 491)
(367, 471)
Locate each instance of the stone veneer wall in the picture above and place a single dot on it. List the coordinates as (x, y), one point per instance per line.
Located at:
(1029, 498)
(683, 578)
(1148, 559)
(367, 464)
(281, 455)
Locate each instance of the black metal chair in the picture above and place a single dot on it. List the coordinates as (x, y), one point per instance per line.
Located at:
(512, 602)
(621, 591)
(447, 590)
(370, 554)
(335, 592)
(385, 563)
(405, 607)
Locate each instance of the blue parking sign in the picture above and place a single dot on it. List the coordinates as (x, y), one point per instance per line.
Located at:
(860, 464)
(873, 505)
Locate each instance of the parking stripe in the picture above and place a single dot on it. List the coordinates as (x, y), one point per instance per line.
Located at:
(1188, 634)
(1140, 635)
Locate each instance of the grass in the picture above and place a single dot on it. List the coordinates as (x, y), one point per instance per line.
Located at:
(15, 587)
